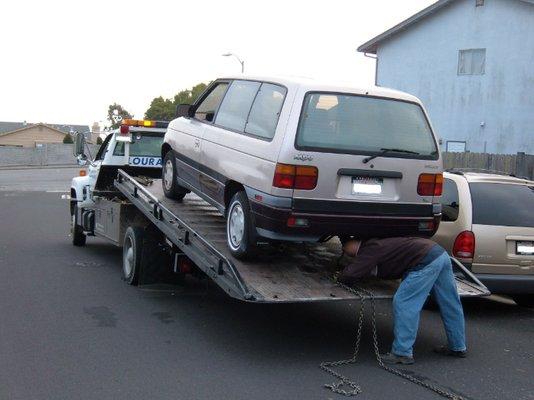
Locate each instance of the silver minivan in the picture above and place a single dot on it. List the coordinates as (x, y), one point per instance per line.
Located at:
(296, 160)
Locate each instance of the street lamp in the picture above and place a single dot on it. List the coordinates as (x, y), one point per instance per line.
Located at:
(238, 59)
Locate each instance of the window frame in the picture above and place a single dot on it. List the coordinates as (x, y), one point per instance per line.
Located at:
(206, 93)
(460, 51)
(363, 152)
(101, 153)
(458, 195)
(259, 88)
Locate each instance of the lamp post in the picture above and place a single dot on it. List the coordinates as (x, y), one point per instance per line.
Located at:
(238, 59)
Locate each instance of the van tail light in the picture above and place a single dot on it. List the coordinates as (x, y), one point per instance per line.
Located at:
(295, 177)
(430, 185)
(464, 245)
(284, 176)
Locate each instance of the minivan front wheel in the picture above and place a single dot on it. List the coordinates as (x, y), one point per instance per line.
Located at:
(169, 178)
(240, 230)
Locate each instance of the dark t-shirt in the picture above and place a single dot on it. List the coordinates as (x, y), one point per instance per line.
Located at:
(391, 257)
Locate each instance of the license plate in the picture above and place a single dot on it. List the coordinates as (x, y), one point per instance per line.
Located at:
(525, 248)
(369, 186)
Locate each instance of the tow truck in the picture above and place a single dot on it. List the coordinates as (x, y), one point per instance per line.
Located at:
(121, 200)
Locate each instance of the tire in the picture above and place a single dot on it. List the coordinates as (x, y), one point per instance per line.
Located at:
(169, 178)
(524, 300)
(76, 231)
(241, 236)
(131, 254)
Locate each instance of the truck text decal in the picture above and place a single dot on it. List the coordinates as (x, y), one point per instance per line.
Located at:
(138, 161)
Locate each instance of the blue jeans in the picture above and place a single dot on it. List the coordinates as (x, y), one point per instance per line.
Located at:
(411, 296)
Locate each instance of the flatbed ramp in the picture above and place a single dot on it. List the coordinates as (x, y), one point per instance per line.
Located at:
(281, 273)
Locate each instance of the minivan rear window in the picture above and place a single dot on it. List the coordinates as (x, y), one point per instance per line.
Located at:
(502, 204)
(347, 123)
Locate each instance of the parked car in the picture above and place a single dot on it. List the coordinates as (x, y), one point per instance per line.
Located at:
(294, 160)
(488, 224)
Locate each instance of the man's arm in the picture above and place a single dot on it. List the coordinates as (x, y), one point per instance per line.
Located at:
(361, 266)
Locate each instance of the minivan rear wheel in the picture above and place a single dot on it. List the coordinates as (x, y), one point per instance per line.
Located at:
(240, 229)
(524, 300)
(169, 178)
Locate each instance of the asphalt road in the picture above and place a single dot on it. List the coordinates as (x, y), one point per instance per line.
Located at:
(70, 328)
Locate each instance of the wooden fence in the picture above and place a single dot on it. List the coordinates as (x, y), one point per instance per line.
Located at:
(519, 164)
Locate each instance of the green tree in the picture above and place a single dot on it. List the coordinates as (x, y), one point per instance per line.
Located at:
(116, 113)
(68, 139)
(160, 109)
(165, 109)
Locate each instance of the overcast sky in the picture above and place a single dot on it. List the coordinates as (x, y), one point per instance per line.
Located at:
(66, 61)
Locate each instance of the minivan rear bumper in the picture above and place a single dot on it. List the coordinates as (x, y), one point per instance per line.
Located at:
(334, 218)
(508, 284)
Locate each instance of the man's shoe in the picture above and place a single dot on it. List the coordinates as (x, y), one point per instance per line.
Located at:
(444, 350)
(390, 358)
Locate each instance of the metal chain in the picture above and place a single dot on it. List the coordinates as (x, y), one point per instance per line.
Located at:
(327, 366)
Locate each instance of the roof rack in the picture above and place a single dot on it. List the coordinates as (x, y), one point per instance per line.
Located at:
(462, 171)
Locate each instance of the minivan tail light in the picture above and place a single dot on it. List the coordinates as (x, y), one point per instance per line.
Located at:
(306, 178)
(284, 176)
(301, 177)
(430, 185)
(464, 245)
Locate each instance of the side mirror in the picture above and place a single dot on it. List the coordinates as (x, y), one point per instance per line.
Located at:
(79, 145)
(184, 110)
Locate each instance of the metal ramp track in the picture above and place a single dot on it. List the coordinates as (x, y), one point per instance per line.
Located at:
(284, 273)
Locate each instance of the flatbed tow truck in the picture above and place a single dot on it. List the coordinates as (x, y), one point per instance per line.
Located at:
(124, 203)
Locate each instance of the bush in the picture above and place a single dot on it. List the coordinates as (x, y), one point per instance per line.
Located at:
(68, 139)
(99, 140)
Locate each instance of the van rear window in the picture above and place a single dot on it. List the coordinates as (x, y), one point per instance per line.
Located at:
(345, 123)
(502, 204)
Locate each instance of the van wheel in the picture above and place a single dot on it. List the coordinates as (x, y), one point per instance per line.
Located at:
(240, 230)
(524, 300)
(170, 185)
(131, 254)
(78, 237)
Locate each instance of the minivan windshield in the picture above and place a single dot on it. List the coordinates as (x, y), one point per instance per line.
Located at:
(502, 204)
(347, 123)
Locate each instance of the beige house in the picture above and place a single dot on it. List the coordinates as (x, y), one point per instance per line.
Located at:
(29, 135)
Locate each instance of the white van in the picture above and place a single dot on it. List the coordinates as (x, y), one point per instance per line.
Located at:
(292, 159)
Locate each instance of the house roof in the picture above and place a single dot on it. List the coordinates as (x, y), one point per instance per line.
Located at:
(8, 127)
(372, 45)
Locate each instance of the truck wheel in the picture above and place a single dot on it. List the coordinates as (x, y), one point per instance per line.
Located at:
(240, 230)
(170, 185)
(524, 300)
(131, 254)
(78, 237)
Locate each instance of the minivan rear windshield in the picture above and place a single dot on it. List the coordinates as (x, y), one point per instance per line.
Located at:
(347, 123)
(502, 204)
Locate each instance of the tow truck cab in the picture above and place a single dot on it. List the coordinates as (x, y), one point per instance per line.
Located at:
(134, 147)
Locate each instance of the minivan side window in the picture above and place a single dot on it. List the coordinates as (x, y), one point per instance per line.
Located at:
(236, 105)
(207, 108)
(265, 111)
(450, 201)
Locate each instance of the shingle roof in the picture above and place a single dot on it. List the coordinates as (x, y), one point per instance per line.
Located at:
(6, 127)
(372, 45)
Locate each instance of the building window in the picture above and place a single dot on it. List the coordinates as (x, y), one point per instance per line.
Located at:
(454, 146)
(472, 62)
(479, 3)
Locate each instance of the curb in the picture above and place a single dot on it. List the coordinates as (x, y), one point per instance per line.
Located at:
(19, 167)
